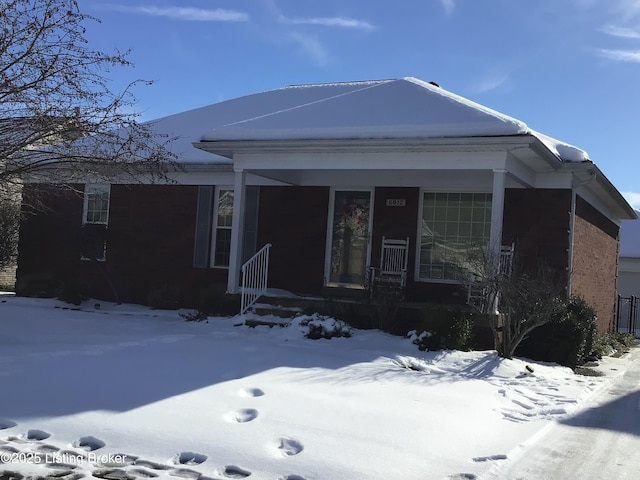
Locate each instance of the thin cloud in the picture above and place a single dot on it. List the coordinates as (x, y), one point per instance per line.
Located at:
(628, 8)
(633, 199)
(340, 22)
(311, 47)
(448, 5)
(184, 13)
(492, 82)
(620, 55)
(620, 32)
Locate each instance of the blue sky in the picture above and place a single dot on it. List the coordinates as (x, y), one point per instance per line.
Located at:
(567, 68)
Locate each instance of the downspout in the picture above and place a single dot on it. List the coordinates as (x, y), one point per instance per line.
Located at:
(572, 224)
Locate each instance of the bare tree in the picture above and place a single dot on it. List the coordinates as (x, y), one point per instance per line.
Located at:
(59, 120)
(517, 299)
(9, 223)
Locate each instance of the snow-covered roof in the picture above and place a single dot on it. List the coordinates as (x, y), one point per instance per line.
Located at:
(400, 108)
(630, 238)
(188, 127)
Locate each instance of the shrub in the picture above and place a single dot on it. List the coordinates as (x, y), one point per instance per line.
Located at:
(567, 338)
(213, 300)
(611, 343)
(454, 334)
(165, 297)
(71, 291)
(194, 316)
(354, 312)
(319, 326)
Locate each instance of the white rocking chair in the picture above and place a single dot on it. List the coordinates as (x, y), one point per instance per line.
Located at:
(394, 258)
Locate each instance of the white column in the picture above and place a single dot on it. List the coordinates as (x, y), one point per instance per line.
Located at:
(237, 231)
(497, 211)
(497, 218)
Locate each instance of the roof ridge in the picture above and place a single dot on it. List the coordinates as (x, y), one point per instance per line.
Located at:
(302, 105)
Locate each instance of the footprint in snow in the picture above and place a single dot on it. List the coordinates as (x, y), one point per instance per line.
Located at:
(288, 446)
(89, 443)
(112, 474)
(188, 458)
(10, 475)
(491, 457)
(4, 424)
(142, 473)
(47, 448)
(37, 435)
(151, 465)
(242, 416)
(291, 477)
(232, 471)
(250, 392)
(185, 473)
(463, 476)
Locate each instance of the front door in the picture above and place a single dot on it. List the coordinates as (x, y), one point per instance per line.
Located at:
(350, 226)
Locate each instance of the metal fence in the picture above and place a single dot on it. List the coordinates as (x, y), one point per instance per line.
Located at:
(627, 320)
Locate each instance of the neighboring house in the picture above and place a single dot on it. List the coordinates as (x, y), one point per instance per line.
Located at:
(323, 173)
(629, 266)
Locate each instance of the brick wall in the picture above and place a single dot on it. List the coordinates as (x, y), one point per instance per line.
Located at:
(149, 245)
(595, 262)
(294, 221)
(537, 221)
(8, 276)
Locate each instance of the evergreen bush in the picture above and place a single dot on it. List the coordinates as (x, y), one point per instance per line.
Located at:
(567, 339)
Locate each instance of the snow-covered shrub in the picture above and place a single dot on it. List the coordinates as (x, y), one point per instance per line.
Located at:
(419, 339)
(605, 345)
(194, 316)
(317, 326)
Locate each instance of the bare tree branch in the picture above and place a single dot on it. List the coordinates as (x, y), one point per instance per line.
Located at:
(59, 120)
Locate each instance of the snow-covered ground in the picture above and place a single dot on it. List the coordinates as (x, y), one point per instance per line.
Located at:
(127, 392)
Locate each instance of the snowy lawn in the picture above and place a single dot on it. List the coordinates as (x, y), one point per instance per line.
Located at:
(128, 392)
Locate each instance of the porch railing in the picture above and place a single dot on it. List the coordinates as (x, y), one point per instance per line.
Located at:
(255, 272)
(479, 296)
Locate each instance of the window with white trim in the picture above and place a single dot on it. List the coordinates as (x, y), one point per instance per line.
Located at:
(214, 216)
(221, 246)
(453, 226)
(95, 218)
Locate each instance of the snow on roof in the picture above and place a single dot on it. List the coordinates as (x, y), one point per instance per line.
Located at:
(630, 238)
(400, 108)
(188, 127)
(397, 108)
(564, 151)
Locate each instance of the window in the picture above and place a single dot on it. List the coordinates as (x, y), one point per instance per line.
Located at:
(212, 245)
(453, 225)
(221, 247)
(95, 218)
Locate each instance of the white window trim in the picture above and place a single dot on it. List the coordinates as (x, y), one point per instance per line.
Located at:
(329, 238)
(90, 188)
(214, 225)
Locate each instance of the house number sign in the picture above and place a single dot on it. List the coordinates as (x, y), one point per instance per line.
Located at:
(396, 202)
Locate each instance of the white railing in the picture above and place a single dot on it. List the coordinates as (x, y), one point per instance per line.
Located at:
(255, 272)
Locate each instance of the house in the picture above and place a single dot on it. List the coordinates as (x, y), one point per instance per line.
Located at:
(629, 266)
(629, 277)
(323, 173)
